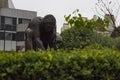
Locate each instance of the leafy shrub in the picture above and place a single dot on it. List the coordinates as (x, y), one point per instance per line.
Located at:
(79, 39)
(105, 41)
(75, 38)
(117, 43)
(81, 32)
(86, 64)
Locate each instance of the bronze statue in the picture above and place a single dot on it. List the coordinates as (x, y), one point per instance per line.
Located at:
(41, 33)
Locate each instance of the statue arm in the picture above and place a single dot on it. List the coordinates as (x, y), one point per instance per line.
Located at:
(28, 39)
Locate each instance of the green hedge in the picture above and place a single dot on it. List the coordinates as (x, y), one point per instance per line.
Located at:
(85, 64)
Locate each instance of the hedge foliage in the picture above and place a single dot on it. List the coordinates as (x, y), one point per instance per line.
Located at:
(78, 64)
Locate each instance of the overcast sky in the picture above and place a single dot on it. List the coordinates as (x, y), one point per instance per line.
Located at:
(58, 8)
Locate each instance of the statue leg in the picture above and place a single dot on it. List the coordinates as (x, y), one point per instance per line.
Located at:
(39, 44)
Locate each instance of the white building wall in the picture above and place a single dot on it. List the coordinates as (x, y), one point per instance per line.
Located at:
(1, 45)
(10, 45)
(21, 27)
(21, 44)
(18, 13)
(10, 4)
(13, 45)
(7, 45)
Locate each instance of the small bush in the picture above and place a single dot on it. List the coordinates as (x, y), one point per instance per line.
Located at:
(75, 38)
(81, 33)
(105, 41)
(86, 64)
(117, 43)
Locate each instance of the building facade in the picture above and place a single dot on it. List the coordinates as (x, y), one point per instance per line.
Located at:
(110, 27)
(13, 23)
(65, 27)
(6, 4)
